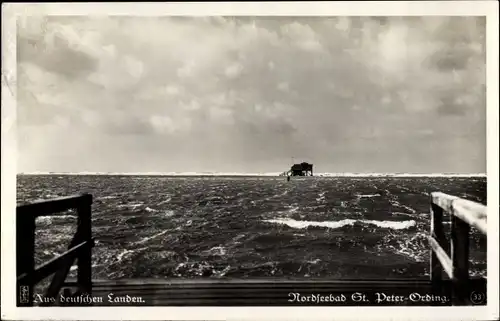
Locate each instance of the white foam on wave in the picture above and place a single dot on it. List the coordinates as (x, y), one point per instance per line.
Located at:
(167, 213)
(321, 197)
(165, 201)
(107, 197)
(414, 247)
(285, 192)
(122, 254)
(144, 240)
(368, 195)
(417, 215)
(265, 199)
(291, 210)
(217, 250)
(398, 204)
(399, 175)
(132, 206)
(52, 195)
(396, 225)
(50, 219)
(127, 252)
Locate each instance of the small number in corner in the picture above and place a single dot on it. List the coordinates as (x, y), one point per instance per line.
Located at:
(477, 297)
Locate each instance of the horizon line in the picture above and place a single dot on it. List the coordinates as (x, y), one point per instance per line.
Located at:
(321, 174)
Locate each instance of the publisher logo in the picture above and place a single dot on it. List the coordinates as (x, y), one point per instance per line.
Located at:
(24, 294)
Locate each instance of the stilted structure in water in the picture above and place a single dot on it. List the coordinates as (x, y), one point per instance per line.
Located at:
(302, 169)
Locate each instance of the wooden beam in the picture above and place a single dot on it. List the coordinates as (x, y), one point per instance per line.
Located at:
(437, 235)
(53, 206)
(53, 265)
(441, 255)
(85, 257)
(25, 258)
(460, 259)
(443, 200)
(61, 274)
(473, 213)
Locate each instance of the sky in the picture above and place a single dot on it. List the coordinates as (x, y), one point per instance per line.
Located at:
(246, 94)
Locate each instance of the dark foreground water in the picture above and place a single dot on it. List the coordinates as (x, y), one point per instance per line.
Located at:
(252, 227)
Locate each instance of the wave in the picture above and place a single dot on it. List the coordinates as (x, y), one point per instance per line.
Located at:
(153, 173)
(395, 203)
(321, 197)
(132, 206)
(169, 213)
(292, 209)
(107, 197)
(197, 269)
(50, 219)
(400, 175)
(368, 195)
(165, 201)
(414, 247)
(396, 225)
(146, 239)
(217, 251)
(123, 253)
(315, 261)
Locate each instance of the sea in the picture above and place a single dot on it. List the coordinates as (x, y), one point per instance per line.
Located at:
(152, 226)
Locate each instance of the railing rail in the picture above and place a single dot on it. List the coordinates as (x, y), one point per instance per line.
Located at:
(463, 215)
(79, 249)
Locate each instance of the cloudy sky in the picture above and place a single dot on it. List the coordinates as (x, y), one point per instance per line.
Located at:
(245, 94)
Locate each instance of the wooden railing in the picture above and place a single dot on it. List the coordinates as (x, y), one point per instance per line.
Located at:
(463, 215)
(80, 249)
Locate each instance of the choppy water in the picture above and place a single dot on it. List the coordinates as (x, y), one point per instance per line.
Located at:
(243, 227)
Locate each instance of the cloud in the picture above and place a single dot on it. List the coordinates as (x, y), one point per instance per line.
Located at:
(246, 93)
(233, 70)
(283, 86)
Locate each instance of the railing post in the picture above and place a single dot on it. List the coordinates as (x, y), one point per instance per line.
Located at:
(459, 249)
(437, 232)
(25, 257)
(84, 277)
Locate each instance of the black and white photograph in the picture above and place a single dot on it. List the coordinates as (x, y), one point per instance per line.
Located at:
(250, 160)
